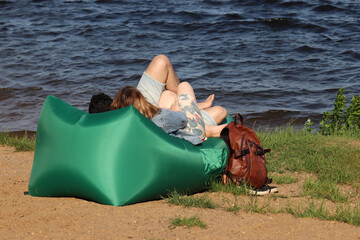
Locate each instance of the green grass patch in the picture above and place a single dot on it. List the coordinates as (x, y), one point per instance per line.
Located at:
(323, 190)
(193, 221)
(217, 186)
(348, 214)
(331, 161)
(344, 213)
(21, 144)
(190, 201)
(313, 210)
(249, 207)
(328, 157)
(283, 179)
(276, 196)
(235, 208)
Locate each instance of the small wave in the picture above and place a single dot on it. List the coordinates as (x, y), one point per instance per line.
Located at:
(190, 15)
(58, 39)
(327, 37)
(6, 2)
(307, 49)
(213, 2)
(353, 54)
(122, 62)
(266, 93)
(4, 28)
(109, 1)
(314, 27)
(327, 8)
(313, 60)
(77, 1)
(294, 4)
(85, 30)
(279, 22)
(290, 23)
(233, 16)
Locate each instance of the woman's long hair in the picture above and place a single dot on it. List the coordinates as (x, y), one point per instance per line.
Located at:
(129, 95)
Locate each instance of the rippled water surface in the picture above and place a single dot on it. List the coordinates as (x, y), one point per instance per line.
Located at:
(271, 60)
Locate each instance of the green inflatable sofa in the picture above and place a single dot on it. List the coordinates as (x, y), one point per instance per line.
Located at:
(116, 158)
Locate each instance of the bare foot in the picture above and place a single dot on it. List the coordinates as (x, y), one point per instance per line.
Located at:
(207, 103)
(214, 131)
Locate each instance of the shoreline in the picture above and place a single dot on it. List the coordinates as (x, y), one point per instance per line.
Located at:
(32, 134)
(255, 125)
(21, 134)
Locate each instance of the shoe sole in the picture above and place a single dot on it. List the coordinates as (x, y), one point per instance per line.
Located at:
(262, 193)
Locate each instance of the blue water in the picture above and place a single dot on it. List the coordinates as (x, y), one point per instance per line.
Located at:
(274, 61)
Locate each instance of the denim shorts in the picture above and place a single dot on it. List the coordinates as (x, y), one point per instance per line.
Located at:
(150, 88)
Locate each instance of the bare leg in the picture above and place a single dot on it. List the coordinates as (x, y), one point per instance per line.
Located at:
(186, 88)
(167, 98)
(213, 131)
(207, 103)
(218, 113)
(187, 104)
(170, 96)
(161, 69)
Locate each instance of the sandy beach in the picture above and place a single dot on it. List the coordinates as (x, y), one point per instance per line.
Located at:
(26, 217)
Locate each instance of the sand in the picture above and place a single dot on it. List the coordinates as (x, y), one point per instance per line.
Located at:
(26, 217)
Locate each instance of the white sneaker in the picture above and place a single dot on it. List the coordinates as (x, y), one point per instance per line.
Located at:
(263, 191)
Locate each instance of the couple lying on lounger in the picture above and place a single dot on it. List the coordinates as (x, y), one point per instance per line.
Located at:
(175, 109)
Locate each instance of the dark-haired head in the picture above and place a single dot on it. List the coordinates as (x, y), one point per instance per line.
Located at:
(100, 103)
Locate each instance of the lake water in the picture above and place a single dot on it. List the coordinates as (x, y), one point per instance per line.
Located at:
(274, 61)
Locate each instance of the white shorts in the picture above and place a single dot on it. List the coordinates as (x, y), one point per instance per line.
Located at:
(152, 89)
(208, 120)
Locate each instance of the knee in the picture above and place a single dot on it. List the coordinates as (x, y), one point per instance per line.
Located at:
(168, 94)
(221, 111)
(224, 112)
(162, 61)
(221, 114)
(167, 98)
(184, 85)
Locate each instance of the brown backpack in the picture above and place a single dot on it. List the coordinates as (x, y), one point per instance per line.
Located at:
(246, 159)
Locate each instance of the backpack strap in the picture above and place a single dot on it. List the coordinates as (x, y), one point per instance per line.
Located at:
(238, 120)
(224, 135)
(261, 150)
(240, 153)
(246, 156)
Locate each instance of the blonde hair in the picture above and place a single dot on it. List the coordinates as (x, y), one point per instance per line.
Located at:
(129, 95)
